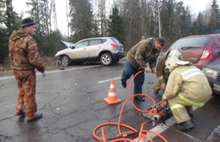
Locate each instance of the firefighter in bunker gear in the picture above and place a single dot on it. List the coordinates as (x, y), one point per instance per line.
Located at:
(24, 58)
(162, 75)
(186, 86)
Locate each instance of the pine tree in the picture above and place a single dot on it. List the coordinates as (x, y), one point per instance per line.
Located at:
(116, 25)
(82, 22)
(214, 22)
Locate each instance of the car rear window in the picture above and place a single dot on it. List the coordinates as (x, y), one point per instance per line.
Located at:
(115, 40)
(190, 43)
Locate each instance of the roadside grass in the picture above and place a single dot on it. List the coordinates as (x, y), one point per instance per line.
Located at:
(49, 62)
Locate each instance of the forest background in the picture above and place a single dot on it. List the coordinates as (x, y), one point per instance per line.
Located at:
(128, 21)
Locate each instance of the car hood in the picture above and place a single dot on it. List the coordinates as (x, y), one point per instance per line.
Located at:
(62, 52)
(67, 44)
(214, 65)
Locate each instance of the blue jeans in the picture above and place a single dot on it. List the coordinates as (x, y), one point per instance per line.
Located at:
(138, 81)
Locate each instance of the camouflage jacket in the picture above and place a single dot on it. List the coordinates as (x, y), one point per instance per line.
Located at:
(142, 53)
(23, 52)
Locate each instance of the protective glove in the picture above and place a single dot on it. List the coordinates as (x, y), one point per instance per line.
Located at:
(43, 74)
(164, 97)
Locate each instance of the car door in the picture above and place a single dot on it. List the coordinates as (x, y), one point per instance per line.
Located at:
(94, 48)
(79, 51)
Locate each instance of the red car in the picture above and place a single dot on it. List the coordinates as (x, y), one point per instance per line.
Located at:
(198, 49)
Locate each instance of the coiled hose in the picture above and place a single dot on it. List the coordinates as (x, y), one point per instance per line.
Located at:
(122, 135)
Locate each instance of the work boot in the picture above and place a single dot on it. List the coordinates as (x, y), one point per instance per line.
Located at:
(191, 116)
(20, 114)
(37, 117)
(139, 98)
(186, 125)
(124, 84)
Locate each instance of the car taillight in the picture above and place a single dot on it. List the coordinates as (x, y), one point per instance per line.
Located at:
(207, 54)
(114, 45)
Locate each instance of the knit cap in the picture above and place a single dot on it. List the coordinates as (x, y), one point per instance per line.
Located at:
(27, 22)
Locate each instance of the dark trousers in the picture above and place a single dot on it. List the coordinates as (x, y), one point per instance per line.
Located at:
(138, 81)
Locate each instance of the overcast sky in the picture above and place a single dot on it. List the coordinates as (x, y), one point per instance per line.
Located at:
(20, 5)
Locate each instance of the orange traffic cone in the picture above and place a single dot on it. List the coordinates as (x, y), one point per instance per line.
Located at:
(112, 97)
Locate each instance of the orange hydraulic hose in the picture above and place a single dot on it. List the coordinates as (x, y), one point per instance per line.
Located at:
(142, 133)
(143, 111)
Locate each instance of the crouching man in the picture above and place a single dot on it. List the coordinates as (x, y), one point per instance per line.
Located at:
(187, 86)
(162, 74)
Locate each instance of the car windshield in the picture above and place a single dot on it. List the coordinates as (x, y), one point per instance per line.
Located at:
(190, 43)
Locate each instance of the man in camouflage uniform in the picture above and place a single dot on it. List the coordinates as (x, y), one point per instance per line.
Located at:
(187, 86)
(24, 58)
(146, 51)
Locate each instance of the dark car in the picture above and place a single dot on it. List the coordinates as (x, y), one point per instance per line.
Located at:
(198, 49)
(212, 71)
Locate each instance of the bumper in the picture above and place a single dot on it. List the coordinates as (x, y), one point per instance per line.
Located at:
(215, 85)
(118, 55)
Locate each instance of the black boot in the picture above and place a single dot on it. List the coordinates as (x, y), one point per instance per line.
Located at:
(38, 116)
(186, 125)
(191, 116)
(124, 84)
(139, 98)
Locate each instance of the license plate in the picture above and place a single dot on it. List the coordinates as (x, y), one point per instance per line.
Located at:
(216, 87)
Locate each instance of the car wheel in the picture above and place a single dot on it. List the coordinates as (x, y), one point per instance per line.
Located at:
(106, 59)
(65, 61)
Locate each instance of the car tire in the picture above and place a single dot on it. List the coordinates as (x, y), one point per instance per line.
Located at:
(106, 59)
(65, 61)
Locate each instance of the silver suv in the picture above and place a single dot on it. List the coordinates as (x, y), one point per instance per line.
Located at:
(105, 49)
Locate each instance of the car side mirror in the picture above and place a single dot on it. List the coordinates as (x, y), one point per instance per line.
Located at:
(72, 47)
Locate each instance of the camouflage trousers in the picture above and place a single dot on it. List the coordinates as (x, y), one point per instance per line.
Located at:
(26, 97)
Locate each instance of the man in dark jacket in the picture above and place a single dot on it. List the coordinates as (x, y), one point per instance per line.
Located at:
(146, 51)
(24, 58)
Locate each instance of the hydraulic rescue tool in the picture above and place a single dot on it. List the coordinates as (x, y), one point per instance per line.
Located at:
(158, 112)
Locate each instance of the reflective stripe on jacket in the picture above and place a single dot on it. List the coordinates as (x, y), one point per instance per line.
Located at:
(191, 83)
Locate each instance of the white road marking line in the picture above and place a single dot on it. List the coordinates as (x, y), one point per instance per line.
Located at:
(107, 80)
(52, 71)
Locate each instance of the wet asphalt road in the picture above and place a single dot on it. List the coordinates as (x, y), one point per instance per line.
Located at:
(72, 104)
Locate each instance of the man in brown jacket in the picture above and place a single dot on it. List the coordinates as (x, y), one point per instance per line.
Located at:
(24, 58)
(187, 86)
(146, 51)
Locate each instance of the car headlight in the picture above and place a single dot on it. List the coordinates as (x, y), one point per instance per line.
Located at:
(210, 73)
